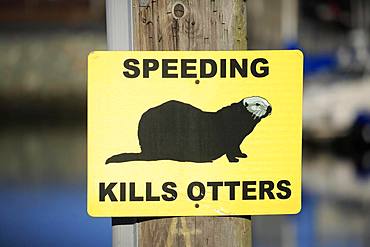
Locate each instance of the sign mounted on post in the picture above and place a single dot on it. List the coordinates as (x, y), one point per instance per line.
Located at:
(194, 133)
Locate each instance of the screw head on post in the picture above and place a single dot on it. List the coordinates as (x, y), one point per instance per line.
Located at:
(178, 10)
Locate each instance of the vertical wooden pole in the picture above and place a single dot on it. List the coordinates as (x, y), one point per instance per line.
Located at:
(191, 25)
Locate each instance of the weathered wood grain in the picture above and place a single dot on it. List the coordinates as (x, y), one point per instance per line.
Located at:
(205, 25)
(196, 25)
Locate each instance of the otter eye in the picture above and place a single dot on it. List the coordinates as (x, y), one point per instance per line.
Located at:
(257, 104)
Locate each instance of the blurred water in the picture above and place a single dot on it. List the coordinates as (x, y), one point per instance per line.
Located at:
(50, 216)
(335, 208)
(43, 188)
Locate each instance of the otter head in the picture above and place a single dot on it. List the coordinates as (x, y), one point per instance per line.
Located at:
(257, 106)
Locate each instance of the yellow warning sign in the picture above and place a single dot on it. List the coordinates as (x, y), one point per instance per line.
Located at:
(194, 133)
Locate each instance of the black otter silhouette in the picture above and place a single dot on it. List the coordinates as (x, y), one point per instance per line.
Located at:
(182, 132)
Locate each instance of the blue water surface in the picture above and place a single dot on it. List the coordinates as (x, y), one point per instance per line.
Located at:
(50, 216)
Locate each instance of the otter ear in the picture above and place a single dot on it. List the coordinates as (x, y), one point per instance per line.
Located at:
(244, 103)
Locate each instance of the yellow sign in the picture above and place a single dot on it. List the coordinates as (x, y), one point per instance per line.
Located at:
(194, 133)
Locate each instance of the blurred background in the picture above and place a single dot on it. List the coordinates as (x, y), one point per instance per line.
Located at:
(44, 46)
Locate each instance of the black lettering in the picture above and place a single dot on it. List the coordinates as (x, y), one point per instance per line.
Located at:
(133, 197)
(265, 69)
(168, 188)
(122, 192)
(128, 64)
(247, 189)
(149, 197)
(282, 185)
(149, 65)
(166, 67)
(234, 65)
(214, 186)
(267, 190)
(103, 192)
(232, 186)
(185, 67)
(202, 191)
(223, 68)
(203, 68)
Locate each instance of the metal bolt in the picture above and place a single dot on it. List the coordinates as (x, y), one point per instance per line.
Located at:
(178, 10)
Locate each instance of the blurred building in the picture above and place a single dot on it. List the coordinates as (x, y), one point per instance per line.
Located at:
(44, 44)
(43, 73)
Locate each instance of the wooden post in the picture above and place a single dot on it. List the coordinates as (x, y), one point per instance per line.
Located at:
(191, 25)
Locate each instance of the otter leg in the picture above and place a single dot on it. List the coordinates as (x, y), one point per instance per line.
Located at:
(240, 154)
(231, 157)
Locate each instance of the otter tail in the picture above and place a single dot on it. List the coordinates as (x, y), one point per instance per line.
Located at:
(124, 157)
